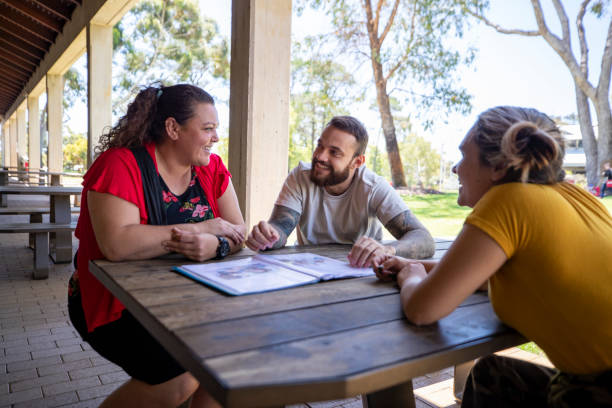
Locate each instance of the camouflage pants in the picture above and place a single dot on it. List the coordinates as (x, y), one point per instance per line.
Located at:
(507, 382)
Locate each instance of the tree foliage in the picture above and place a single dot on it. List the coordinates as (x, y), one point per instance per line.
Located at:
(168, 41)
(320, 89)
(407, 44)
(597, 150)
(75, 151)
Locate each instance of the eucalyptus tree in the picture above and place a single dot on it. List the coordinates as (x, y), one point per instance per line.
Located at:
(597, 150)
(407, 43)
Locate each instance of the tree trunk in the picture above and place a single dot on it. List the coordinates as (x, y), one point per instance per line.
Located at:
(589, 143)
(395, 161)
(604, 130)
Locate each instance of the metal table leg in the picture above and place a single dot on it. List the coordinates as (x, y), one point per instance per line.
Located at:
(400, 395)
(60, 214)
(461, 373)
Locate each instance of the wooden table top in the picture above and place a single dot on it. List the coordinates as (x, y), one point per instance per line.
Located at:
(323, 341)
(41, 190)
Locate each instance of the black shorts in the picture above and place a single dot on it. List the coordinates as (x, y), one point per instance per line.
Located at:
(128, 344)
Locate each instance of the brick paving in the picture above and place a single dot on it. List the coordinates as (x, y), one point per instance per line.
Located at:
(44, 363)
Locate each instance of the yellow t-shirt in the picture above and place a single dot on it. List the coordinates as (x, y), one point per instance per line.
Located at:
(556, 287)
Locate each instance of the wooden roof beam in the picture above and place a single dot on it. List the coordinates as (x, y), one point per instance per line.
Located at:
(25, 23)
(12, 71)
(5, 83)
(35, 14)
(55, 7)
(24, 52)
(27, 66)
(22, 45)
(25, 36)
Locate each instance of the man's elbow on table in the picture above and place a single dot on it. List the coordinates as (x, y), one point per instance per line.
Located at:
(416, 244)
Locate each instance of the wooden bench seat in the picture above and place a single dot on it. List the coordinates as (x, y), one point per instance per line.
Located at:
(40, 232)
(35, 213)
(32, 210)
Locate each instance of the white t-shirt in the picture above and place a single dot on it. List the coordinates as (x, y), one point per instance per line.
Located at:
(342, 219)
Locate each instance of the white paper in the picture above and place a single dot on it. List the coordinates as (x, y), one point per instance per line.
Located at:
(247, 276)
(320, 266)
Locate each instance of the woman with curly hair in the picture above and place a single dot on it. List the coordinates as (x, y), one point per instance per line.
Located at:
(154, 188)
(542, 245)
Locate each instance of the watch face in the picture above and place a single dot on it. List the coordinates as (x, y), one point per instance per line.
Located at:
(224, 248)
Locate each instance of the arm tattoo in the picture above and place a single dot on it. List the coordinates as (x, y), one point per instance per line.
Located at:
(284, 220)
(413, 239)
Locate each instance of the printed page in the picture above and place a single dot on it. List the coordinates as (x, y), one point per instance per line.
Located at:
(244, 276)
(322, 267)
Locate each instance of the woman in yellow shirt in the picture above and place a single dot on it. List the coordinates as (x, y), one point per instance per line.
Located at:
(543, 246)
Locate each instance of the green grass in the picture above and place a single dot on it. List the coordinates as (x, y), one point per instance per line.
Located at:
(532, 348)
(438, 212)
(607, 201)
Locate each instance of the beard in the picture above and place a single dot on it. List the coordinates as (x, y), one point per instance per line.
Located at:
(333, 178)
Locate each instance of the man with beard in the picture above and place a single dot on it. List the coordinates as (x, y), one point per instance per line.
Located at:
(335, 199)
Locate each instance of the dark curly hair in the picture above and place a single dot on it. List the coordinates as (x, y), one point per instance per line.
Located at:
(146, 115)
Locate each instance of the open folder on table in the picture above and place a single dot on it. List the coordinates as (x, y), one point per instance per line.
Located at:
(263, 273)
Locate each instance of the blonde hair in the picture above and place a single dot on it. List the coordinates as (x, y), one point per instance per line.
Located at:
(524, 141)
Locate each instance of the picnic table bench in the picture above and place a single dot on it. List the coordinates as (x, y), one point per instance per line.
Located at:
(40, 232)
(60, 209)
(35, 214)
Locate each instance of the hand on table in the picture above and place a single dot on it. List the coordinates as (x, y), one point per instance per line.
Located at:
(197, 246)
(219, 226)
(390, 267)
(368, 252)
(263, 236)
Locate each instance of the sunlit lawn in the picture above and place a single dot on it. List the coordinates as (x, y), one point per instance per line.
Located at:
(438, 212)
(607, 201)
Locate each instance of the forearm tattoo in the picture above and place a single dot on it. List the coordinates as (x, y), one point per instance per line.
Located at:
(284, 220)
(413, 239)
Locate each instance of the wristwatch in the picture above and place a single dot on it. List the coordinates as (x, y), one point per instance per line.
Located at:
(223, 248)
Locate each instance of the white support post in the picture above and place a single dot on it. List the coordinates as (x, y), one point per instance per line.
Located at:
(55, 95)
(259, 103)
(99, 85)
(33, 133)
(13, 141)
(5, 143)
(22, 140)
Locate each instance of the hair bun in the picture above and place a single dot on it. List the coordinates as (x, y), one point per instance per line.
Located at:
(526, 147)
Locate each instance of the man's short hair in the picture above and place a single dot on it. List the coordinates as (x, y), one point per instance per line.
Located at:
(353, 126)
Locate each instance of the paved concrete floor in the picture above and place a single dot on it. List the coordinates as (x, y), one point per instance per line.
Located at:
(44, 363)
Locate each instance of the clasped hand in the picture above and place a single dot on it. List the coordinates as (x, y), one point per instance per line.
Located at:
(219, 226)
(368, 252)
(197, 246)
(396, 267)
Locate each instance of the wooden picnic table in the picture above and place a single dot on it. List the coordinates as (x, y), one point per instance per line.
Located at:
(60, 213)
(324, 341)
(51, 178)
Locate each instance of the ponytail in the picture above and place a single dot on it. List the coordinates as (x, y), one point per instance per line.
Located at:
(530, 151)
(524, 142)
